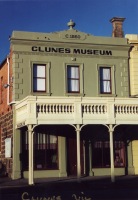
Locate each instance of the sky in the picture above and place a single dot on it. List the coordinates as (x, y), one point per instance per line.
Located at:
(90, 16)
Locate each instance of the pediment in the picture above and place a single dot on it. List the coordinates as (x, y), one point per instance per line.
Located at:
(69, 35)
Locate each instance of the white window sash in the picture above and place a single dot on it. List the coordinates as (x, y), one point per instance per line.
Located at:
(39, 71)
(106, 74)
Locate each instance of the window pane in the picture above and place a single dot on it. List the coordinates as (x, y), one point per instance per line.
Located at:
(105, 87)
(39, 70)
(53, 142)
(73, 72)
(39, 85)
(73, 86)
(119, 154)
(106, 74)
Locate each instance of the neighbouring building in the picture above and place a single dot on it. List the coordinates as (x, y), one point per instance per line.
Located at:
(6, 117)
(67, 105)
(133, 74)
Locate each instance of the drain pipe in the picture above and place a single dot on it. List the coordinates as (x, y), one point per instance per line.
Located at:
(7, 85)
(8, 82)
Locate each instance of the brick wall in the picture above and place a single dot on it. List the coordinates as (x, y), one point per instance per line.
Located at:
(6, 125)
(6, 114)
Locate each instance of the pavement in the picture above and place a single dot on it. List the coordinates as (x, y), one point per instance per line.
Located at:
(71, 188)
(129, 181)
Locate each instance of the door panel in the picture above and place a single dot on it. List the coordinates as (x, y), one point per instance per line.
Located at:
(72, 157)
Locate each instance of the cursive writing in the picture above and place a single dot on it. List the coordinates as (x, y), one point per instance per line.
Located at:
(80, 197)
(27, 196)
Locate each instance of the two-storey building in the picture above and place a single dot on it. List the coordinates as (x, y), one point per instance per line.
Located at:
(69, 95)
(133, 75)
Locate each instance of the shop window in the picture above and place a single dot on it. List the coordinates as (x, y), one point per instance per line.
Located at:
(101, 150)
(45, 151)
(74, 79)
(119, 154)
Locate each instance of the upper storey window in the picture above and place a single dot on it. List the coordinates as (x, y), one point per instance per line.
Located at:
(106, 76)
(39, 78)
(105, 80)
(73, 79)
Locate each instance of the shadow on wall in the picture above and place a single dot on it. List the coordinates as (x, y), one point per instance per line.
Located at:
(2, 170)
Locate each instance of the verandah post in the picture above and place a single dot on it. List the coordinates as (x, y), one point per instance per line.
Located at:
(112, 152)
(78, 150)
(31, 160)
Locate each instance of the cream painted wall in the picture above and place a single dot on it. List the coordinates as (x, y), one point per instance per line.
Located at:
(133, 64)
(135, 155)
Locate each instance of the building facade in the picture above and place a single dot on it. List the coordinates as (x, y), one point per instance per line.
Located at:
(68, 95)
(133, 72)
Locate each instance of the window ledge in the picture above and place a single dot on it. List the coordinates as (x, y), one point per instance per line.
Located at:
(107, 95)
(75, 94)
(40, 94)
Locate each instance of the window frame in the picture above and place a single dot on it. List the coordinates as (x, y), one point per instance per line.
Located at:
(47, 78)
(105, 80)
(37, 77)
(71, 79)
(81, 89)
(112, 80)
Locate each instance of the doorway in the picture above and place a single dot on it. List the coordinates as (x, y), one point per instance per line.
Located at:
(72, 157)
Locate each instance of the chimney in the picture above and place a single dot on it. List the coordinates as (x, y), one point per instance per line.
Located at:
(117, 23)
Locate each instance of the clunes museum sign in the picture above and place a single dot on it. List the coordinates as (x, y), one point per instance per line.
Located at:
(71, 51)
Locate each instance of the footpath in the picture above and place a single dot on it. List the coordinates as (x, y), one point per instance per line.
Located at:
(129, 181)
(69, 188)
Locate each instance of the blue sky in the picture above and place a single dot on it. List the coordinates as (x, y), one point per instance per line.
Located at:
(90, 16)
